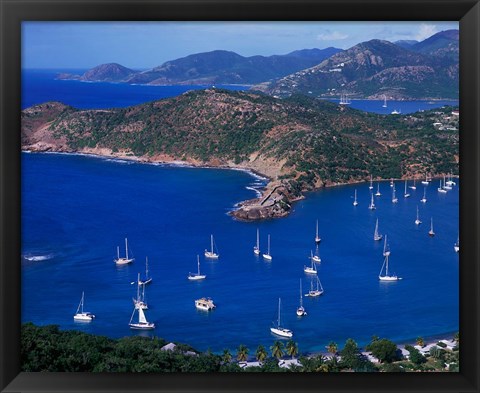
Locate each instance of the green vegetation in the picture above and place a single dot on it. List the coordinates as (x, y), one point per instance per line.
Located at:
(47, 348)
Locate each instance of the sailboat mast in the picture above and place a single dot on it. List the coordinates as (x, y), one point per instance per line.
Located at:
(316, 232)
(126, 248)
(279, 300)
(211, 242)
(301, 299)
(268, 249)
(146, 268)
(258, 239)
(118, 252)
(83, 295)
(138, 287)
(198, 264)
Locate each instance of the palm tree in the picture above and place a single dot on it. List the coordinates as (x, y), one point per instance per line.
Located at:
(420, 342)
(332, 347)
(242, 353)
(227, 356)
(277, 349)
(261, 354)
(292, 348)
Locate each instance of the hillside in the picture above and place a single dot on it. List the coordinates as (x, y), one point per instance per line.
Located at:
(299, 143)
(426, 70)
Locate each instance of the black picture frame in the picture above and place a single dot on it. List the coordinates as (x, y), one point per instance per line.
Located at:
(13, 12)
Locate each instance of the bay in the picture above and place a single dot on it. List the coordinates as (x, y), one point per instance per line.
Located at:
(76, 210)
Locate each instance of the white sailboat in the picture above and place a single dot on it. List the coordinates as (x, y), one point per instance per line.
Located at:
(396, 112)
(317, 237)
(81, 315)
(300, 309)
(312, 269)
(394, 198)
(139, 301)
(386, 276)
(315, 257)
(256, 248)
(446, 184)
(378, 190)
(456, 246)
(267, 256)
(344, 100)
(372, 204)
(431, 233)
(384, 101)
(417, 221)
(450, 182)
(441, 189)
(126, 260)
(315, 292)
(148, 279)
(278, 329)
(355, 203)
(211, 254)
(142, 323)
(406, 194)
(197, 276)
(424, 199)
(370, 187)
(377, 236)
(414, 187)
(426, 182)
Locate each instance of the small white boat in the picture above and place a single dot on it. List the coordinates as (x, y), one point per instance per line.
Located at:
(450, 182)
(317, 237)
(371, 183)
(394, 198)
(372, 204)
(355, 203)
(426, 182)
(310, 269)
(126, 260)
(267, 256)
(83, 316)
(211, 254)
(197, 276)
(315, 257)
(300, 309)
(395, 112)
(414, 187)
(391, 183)
(315, 292)
(447, 184)
(278, 329)
(406, 194)
(139, 301)
(431, 233)
(148, 279)
(142, 323)
(456, 246)
(441, 189)
(424, 199)
(386, 276)
(256, 248)
(378, 190)
(377, 236)
(205, 304)
(417, 221)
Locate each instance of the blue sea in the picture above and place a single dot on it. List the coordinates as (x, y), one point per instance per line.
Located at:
(77, 209)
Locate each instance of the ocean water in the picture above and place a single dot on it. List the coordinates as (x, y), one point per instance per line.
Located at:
(40, 86)
(76, 210)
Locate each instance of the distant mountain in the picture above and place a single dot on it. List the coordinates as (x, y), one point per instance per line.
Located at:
(444, 44)
(216, 67)
(111, 72)
(406, 44)
(375, 68)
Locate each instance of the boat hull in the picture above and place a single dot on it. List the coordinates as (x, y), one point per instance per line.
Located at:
(84, 317)
(142, 326)
(388, 278)
(267, 257)
(211, 255)
(281, 332)
(197, 277)
(123, 261)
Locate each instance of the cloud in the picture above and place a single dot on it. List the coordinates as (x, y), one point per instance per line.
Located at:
(425, 31)
(332, 36)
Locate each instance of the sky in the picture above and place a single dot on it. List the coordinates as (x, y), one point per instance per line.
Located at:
(144, 45)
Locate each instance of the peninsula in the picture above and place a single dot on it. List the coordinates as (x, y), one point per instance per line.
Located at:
(299, 143)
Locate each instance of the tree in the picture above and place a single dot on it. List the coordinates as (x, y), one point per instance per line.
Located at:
(292, 348)
(332, 347)
(242, 353)
(456, 337)
(383, 349)
(261, 354)
(415, 356)
(349, 353)
(277, 349)
(227, 356)
(420, 342)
